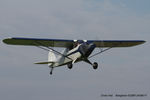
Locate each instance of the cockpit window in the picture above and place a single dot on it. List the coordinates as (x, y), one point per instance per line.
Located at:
(79, 42)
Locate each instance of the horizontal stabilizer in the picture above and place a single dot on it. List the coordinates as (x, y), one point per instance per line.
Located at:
(49, 62)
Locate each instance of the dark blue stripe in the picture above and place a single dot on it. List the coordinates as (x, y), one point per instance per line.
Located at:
(116, 41)
(89, 41)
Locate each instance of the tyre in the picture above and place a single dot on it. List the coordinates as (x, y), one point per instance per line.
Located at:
(95, 65)
(70, 66)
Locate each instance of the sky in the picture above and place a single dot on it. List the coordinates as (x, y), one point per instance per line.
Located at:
(121, 70)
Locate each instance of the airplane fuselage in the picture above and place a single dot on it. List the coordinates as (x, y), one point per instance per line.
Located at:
(79, 53)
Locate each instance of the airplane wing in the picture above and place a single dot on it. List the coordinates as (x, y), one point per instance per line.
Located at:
(68, 43)
(116, 43)
(39, 42)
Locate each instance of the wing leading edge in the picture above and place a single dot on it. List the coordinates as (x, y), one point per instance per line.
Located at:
(68, 43)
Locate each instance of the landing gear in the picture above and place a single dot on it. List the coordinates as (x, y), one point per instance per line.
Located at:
(51, 72)
(70, 66)
(95, 65)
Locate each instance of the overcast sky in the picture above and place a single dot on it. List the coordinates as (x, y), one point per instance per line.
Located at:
(121, 70)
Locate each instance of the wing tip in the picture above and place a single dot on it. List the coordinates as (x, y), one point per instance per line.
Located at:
(142, 41)
(138, 42)
(6, 40)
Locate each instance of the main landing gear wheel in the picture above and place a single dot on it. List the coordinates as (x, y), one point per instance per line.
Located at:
(70, 66)
(95, 65)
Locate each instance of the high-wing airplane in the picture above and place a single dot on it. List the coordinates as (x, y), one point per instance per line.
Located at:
(75, 50)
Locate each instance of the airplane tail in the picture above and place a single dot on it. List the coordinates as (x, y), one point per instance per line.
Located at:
(51, 59)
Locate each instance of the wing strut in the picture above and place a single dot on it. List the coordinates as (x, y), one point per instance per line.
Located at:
(101, 51)
(36, 43)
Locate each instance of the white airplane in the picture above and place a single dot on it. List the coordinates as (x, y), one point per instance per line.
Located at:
(75, 50)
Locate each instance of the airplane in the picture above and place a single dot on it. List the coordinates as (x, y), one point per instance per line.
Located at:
(75, 50)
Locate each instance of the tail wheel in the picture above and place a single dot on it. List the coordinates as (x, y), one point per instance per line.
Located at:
(51, 72)
(95, 65)
(70, 66)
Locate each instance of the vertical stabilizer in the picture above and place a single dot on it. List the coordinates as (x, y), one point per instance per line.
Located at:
(51, 57)
(62, 58)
